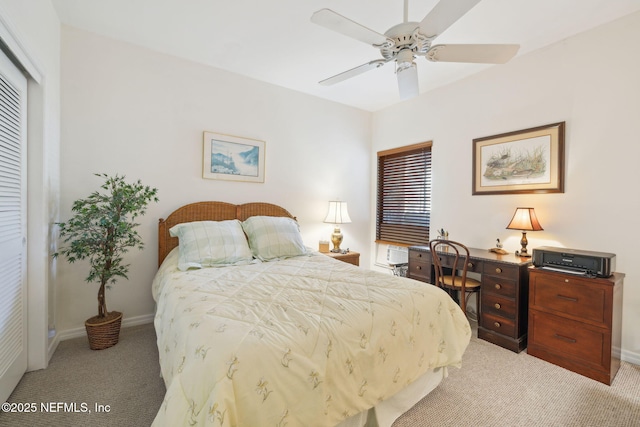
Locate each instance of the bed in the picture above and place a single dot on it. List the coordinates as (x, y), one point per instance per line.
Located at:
(285, 336)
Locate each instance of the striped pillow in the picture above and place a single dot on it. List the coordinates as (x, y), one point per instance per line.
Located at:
(211, 243)
(273, 237)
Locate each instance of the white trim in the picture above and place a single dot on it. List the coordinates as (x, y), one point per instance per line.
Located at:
(53, 345)
(127, 322)
(12, 39)
(630, 356)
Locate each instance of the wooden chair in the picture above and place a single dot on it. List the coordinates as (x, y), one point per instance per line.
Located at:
(445, 255)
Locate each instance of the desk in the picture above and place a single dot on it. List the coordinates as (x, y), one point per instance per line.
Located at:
(504, 294)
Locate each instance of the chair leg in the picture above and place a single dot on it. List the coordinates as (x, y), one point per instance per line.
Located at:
(463, 301)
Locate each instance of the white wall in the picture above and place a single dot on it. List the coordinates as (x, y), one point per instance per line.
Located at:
(32, 32)
(591, 82)
(135, 112)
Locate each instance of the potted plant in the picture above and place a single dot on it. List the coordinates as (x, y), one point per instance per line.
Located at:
(102, 229)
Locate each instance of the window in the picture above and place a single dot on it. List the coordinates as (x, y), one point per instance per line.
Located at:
(403, 210)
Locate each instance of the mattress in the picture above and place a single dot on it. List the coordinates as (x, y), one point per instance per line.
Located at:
(303, 341)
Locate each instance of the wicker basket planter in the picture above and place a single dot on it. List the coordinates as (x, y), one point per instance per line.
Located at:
(103, 332)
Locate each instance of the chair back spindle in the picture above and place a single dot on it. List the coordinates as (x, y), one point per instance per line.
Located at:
(456, 255)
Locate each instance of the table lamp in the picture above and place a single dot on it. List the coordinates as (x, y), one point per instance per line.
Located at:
(337, 215)
(524, 219)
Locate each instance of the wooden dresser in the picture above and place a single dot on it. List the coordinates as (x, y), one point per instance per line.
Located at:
(575, 322)
(503, 296)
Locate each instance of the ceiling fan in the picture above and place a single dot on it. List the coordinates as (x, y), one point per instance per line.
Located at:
(402, 43)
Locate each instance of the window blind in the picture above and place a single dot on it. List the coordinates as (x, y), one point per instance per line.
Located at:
(403, 209)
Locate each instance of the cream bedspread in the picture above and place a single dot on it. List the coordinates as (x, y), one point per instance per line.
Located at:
(305, 341)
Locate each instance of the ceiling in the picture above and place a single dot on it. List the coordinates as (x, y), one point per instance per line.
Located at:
(275, 41)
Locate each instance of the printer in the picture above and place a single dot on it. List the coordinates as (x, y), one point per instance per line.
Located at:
(575, 261)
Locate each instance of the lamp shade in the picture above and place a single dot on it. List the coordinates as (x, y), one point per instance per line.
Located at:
(337, 213)
(524, 219)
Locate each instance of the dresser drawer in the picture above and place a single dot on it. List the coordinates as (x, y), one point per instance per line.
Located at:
(500, 270)
(570, 297)
(448, 260)
(499, 306)
(568, 339)
(499, 285)
(419, 266)
(498, 324)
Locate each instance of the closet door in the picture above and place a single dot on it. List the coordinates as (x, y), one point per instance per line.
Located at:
(13, 185)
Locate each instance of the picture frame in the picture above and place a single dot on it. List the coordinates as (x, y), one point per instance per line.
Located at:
(527, 161)
(232, 158)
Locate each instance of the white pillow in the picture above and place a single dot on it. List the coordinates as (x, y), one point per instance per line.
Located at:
(211, 243)
(273, 237)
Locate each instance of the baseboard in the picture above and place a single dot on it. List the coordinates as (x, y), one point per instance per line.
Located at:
(630, 356)
(53, 345)
(126, 323)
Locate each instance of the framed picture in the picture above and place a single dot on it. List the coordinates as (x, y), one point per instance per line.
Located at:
(232, 158)
(521, 162)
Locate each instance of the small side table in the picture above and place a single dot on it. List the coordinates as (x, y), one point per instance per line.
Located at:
(350, 257)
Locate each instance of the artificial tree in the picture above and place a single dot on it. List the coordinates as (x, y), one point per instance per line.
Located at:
(102, 229)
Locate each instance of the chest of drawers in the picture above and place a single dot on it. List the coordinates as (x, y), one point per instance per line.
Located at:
(575, 322)
(503, 305)
(503, 296)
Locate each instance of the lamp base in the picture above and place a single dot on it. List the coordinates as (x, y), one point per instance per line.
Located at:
(336, 239)
(523, 251)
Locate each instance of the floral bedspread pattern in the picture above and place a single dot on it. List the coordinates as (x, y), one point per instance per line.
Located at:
(305, 341)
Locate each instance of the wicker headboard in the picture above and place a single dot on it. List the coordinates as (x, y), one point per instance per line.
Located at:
(210, 211)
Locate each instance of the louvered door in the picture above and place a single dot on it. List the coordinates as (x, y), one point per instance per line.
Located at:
(13, 327)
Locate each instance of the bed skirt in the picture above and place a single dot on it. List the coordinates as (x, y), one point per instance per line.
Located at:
(386, 412)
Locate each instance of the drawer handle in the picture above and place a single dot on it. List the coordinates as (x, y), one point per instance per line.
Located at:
(419, 255)
(567, 298)
(497, 305)
(497, 324)
(565, 339)
(470, 265)
(498, 270)
(498, 286)
(418, 268)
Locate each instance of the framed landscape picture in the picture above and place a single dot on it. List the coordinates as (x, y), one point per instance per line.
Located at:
(520, 162)
(232, 158)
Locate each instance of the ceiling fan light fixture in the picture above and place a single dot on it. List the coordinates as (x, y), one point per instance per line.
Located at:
(404, 60)
(402, 66)
(408, 81)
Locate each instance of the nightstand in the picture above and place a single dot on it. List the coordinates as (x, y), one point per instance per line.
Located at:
(350, 257)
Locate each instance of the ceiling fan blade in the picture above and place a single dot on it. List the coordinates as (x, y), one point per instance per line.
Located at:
(443, 15)
(353, 72)
(408, 82)
(476, 53)
(336, 22)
